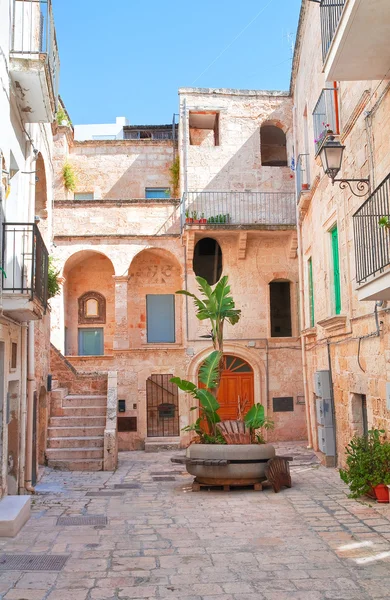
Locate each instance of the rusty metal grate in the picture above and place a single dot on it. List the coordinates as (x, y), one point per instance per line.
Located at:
(32, 562)
(82, 520)
(104, 494)
(127, 486)
(163, 478)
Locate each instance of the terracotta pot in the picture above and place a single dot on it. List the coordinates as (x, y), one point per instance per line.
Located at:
(305, 186)
(382, 493)
(188, 220)
(202, 220)
(196, 220)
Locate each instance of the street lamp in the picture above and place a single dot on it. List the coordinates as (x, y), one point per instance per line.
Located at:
(331, 155)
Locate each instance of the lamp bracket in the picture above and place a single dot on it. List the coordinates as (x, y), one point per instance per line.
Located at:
(361, 185)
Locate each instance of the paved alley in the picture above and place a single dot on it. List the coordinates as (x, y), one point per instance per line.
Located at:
(163, 541)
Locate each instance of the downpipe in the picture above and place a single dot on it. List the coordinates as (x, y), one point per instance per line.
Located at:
(30, 407)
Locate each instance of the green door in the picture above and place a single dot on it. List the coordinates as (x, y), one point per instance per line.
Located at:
(336, 271)
(311, 291)
(91, 342)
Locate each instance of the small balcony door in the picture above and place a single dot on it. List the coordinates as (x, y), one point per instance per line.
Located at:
(91, 341)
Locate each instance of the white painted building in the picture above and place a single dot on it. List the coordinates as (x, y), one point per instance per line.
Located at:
(102, 131)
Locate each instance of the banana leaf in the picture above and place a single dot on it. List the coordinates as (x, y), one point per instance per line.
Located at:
(209, 371)
(255, 417)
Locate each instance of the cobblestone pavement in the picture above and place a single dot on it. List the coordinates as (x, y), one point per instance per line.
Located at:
(163, 541)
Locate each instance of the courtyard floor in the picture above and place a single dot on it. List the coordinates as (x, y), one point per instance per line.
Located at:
(163, 541)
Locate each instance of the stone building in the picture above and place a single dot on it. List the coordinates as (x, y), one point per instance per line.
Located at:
(131, 233)
(29, 71)
(340, 88)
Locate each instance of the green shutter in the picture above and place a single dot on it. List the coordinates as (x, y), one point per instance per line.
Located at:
(311, 292)
(336, 271)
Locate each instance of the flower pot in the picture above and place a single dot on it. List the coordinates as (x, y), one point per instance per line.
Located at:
(196, 220)
(382, 493)
(189, 220)
(305, 186)
(202, 221)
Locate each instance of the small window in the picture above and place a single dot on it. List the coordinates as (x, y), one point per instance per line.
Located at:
(204, 128)
(14, 356)
(160, 315)
(86, 196)
(273, 146)
(280, 309)
(91, 342)
(92, 308)
(157, 193)
(207, 262)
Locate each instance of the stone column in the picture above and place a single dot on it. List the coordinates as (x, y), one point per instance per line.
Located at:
(121, 335)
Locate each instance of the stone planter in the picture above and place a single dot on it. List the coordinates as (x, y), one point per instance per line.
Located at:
(247, 463)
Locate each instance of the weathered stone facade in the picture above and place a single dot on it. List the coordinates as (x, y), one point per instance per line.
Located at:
(354, 344)
(127, 247)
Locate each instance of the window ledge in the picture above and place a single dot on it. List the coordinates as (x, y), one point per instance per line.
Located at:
(332, 324)
(309, 332)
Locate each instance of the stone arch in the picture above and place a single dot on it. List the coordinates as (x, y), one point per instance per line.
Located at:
(153, 271)
(249, 356)
(273, 144)
(85, 271)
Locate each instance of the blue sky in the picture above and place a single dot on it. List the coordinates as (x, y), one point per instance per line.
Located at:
(129, 57)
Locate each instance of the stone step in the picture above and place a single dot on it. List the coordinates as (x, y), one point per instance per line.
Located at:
(59, 432)
(14, 512)
(83, 401)
(73, 453)
(78, 411)
(76, 442)
(92, 464)
(159, 444)
(84, 421)
(59, 393)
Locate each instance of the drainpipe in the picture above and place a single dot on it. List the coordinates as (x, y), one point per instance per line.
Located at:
(23, 409)
(30, 408)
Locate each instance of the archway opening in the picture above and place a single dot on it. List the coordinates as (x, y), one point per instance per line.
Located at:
(207, 261)
(273, 146)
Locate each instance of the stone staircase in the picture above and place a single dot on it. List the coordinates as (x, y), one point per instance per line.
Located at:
(75, 440)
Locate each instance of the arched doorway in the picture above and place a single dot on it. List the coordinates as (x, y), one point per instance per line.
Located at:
(236, 392)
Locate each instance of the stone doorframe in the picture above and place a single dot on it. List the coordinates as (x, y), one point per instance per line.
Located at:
(250, 356)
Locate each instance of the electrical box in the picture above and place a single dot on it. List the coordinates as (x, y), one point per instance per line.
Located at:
(326, 442)
(322, 384)
(324, 412)
(320, 411)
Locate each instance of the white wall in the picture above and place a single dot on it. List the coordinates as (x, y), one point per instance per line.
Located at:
(87, 132)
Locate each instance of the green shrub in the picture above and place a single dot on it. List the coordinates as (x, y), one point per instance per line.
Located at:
(69, 176)
(53, 287)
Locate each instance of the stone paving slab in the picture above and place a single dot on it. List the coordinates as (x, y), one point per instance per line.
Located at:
(310, 542)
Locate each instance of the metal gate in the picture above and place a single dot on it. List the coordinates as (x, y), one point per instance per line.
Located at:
(162, 405)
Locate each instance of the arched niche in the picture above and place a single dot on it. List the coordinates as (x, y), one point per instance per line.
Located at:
(273, 146)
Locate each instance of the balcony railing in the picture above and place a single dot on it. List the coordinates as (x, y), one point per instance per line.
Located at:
(325, 116)
(372, 242)
(302, 173)
(34, 36)
(239, 209)
(25, 261)
(330, 16)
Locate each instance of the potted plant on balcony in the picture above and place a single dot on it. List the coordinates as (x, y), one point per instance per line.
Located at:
(188, 218)
(202, 219)
(384, 222)
(195, 216)
(246, 462)
(368, 466)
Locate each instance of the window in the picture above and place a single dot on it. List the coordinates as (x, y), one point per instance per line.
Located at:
(273, 146)
(157, 193)
(160, 318)
(14, 356)
(358, 414)
(204, 128)
(144, 134)
(280, 309)
(325, 117)
(311, 291)
(92, 308)
(336, 271)
(207, 262)
(84, 196)
(91, 342)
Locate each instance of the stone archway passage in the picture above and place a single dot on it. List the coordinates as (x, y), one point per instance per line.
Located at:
(236, 389)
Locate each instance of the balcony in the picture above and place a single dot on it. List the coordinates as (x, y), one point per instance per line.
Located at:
(325, 117)
(238, 210)
(34, 60)
(355, 39)
(372, 245)
(25, 263)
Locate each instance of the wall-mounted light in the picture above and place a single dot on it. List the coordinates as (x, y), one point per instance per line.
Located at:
(331, 155)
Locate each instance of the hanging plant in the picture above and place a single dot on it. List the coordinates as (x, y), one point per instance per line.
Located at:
(53, 287)
(69, 176)
(175, 176)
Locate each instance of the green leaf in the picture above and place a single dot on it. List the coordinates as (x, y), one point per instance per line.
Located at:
(207, 400)
(209, 371)
(384, 222)
(255, 417)
(185, 386)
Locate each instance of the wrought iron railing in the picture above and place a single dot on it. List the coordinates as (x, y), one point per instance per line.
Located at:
(325, 116)
(25, 261)
(372, 242)
(34, 34)
(330, 16)
(232, 209)
(302, 173)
